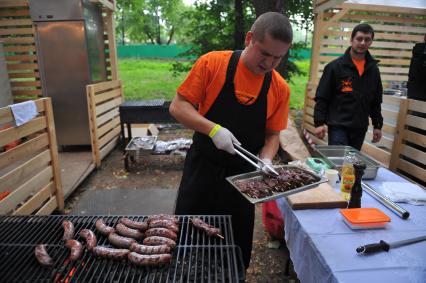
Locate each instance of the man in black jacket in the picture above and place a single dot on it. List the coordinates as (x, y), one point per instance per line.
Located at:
(417, 72)
(350, 91)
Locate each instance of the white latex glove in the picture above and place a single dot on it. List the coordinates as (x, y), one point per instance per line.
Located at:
(266, 161)
(223, 139)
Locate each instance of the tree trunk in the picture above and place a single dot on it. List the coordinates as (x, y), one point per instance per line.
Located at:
(122, 27)
(263, 6)
(158, 30)
(239, 25)
(172, 32)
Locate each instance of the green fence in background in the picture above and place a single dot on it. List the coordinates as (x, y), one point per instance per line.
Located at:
(169, 51)
(151, 51)
(302, 53)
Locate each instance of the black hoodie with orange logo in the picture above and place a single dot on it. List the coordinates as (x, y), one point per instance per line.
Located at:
(344, 98)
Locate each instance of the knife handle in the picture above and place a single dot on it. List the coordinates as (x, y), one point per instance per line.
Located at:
(372, 248)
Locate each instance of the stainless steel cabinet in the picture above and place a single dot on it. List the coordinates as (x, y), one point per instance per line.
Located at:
(70, 48)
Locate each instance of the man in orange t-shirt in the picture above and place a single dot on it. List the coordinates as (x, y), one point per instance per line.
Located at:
(233, 97)
(349, 92)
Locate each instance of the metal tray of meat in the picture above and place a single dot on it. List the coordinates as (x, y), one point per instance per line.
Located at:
(141, 145)
(335, 155)
(258, 175)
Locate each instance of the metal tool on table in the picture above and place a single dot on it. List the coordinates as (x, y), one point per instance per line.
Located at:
(260, 164)
(384, 246)
(398, 210)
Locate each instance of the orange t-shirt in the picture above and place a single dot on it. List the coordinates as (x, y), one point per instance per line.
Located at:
(359, 64)
(207, 77)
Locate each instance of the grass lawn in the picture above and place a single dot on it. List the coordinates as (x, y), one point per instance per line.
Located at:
(151, 79)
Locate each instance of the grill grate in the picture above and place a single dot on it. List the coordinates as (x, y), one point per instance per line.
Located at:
(197, 257)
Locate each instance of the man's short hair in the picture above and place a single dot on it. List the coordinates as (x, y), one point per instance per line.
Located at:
(365, 28)
(275, 24)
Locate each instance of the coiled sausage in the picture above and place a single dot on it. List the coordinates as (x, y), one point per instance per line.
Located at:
(142, 226)
(172, 218)
(90, 238)
(103, 228)
(162, 232)
(149, 250)
(42, 256)
(76, 249)
(149, 260)
(119, 241)
(68, 230)
(110, 252)
(125, 231)
(164, 223)
(156, 240)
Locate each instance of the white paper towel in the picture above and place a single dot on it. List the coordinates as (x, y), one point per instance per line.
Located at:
(405, 192)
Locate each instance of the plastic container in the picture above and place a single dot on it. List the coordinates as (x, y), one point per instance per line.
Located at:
(365, 218)
(318, 164)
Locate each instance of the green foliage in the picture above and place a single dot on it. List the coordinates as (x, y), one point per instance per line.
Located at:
(151, 79)
(211, 26)
(154, 21)
(298, 85)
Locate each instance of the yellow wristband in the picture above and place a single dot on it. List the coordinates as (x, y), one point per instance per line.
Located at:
(214, 130)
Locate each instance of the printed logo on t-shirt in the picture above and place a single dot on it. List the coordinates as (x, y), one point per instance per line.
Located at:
(346, 85)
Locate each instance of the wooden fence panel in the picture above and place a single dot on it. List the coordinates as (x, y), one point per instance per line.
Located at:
(103, 101)
(18, 35)
(29, 172)
(409, 154)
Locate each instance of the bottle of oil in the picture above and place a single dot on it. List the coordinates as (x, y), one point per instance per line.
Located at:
(348, 175)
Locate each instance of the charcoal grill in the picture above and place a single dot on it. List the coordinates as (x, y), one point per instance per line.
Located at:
(197, 257)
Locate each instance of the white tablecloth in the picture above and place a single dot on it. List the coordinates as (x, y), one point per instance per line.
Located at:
(322, 247)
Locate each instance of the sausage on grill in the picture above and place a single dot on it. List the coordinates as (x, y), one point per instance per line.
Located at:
(125, 231)
(149, 260)
(110, 252)
(76, 249)
(149, 250)
(103, 228)
(164, 223)
(156, 240)
(119, 241)
(207, 228)
(42, 256)
(173, 218)
(90, 238)
(68, 230)
(134, 224)
(162, 232)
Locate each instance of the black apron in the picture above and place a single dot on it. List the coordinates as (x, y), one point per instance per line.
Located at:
(203, 189)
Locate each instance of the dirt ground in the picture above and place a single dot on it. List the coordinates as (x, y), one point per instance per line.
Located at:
(165, 172)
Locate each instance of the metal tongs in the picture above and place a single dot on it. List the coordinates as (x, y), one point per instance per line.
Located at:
(261, 165)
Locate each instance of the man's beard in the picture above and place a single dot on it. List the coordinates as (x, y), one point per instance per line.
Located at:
(358, 53)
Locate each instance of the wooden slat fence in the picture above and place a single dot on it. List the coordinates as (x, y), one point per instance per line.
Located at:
(29, 172)
(103, 100)
(110, 46)
(409, 156)
(17, 32)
